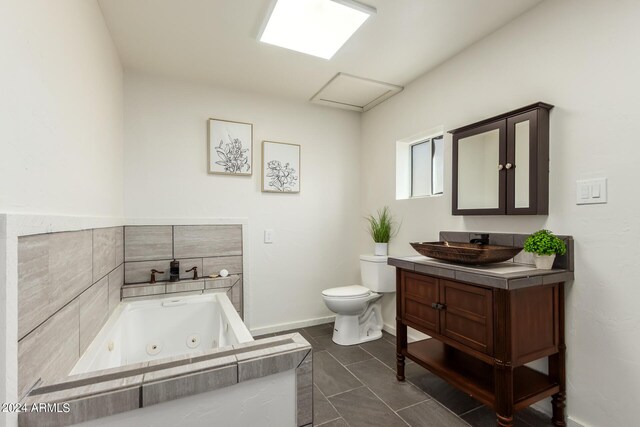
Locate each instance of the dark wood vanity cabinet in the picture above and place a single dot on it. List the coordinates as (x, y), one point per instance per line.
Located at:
(482, 337)
(501, 164)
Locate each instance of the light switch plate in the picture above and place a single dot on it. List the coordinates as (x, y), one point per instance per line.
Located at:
(591, 191)
(269, 235)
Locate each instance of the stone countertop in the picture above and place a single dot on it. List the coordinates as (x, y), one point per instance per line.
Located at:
(504, 275)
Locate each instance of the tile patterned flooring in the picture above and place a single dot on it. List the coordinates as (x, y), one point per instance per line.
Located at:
(355, 386)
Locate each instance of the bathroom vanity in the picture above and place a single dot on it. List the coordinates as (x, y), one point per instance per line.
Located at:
(486, 324)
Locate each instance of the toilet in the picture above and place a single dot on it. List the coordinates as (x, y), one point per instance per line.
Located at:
(358, 308)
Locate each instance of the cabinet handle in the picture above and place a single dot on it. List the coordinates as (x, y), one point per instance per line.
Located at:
(434, 305)
(509, 166)
(500, 167)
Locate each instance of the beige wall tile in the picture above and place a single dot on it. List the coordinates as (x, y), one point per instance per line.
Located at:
(52, 270)
(51, 350)
(138, 291)
(33, 282)
(199, 241)
(70, 265)
(94, 310)
(304, 391)
(116, 280)
(119, 245)
(104, 252)
(140, 271)
(148, 242)
(185, 286)
(233, 264)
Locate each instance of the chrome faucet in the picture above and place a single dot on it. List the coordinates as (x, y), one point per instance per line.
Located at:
(483, 240)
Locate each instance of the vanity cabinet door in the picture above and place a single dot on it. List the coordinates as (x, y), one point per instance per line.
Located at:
(419, 294)
(527, 166)
(479, 180)
(467, 315)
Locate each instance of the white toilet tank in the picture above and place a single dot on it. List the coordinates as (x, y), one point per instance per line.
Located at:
(376, 274)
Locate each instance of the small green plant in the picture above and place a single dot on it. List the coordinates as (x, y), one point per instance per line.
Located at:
(544, 242)
(383, 227)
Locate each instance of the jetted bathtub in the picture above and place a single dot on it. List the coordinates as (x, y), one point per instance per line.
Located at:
(153, 329)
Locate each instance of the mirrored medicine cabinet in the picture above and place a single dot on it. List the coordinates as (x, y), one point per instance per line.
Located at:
(501, 164)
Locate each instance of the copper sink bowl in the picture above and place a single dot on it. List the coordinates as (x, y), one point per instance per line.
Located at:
(466, 253)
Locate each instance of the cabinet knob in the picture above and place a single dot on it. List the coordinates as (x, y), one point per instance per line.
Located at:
(500, 167)
(434, 305)
(509, 166)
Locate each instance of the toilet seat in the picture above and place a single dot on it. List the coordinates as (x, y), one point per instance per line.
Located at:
(353, 291)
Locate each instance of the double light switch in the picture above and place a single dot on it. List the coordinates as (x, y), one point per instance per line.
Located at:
(591, 191)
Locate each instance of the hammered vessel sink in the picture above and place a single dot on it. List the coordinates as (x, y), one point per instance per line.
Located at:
(466, 253)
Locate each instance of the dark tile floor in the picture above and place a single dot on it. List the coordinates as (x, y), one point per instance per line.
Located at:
(355, 386)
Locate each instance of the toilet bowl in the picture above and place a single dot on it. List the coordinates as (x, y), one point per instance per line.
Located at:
(358, 310)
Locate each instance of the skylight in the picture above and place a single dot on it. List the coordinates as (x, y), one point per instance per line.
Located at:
(315, 27)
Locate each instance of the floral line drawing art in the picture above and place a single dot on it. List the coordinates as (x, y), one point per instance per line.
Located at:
(282, 177)
(230, 147)
(232, 156)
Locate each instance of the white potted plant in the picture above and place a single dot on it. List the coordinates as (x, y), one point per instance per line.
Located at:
(544, 245)
(382, 228)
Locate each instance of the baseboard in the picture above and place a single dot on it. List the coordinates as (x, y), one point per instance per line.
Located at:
(411, 334)
(573, 423)
(291, 325)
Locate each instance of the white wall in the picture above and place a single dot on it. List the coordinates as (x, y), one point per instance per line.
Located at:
(61, 112)
(582, 57)
(61, 133)
(316, 231)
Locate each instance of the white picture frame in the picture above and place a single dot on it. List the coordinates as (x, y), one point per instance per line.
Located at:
(280, 167)
(230, 147)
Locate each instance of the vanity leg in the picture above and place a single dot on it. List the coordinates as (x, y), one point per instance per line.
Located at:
(558, 405)
(401, 331)
(503, 374)
(401, 344)
(505, 420)
(400, 367)
(557, 368)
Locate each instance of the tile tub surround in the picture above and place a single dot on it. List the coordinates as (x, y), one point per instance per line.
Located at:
(211, 248)
(108, 392)
(231, 284)
(68, 284)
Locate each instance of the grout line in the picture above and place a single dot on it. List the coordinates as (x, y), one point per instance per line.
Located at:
(415, 404)
(343, 392)
(328, 421)
(329, 402)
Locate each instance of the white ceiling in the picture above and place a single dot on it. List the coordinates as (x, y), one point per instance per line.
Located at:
(215, 41)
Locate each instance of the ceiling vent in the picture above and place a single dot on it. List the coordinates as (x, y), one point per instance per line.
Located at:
(354, 93)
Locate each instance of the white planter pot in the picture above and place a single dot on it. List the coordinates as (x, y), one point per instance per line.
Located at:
(381, 249)
(544, 262)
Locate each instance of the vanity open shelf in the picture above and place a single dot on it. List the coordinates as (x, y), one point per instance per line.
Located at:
(476, 377)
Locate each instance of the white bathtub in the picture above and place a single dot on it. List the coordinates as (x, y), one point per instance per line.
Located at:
(141, 331)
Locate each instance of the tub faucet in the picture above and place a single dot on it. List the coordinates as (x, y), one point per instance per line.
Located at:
(195, 272)
(483, 240)
(153, 275)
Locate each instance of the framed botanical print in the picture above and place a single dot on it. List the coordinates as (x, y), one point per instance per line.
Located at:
(280, 167)
(230, 147)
